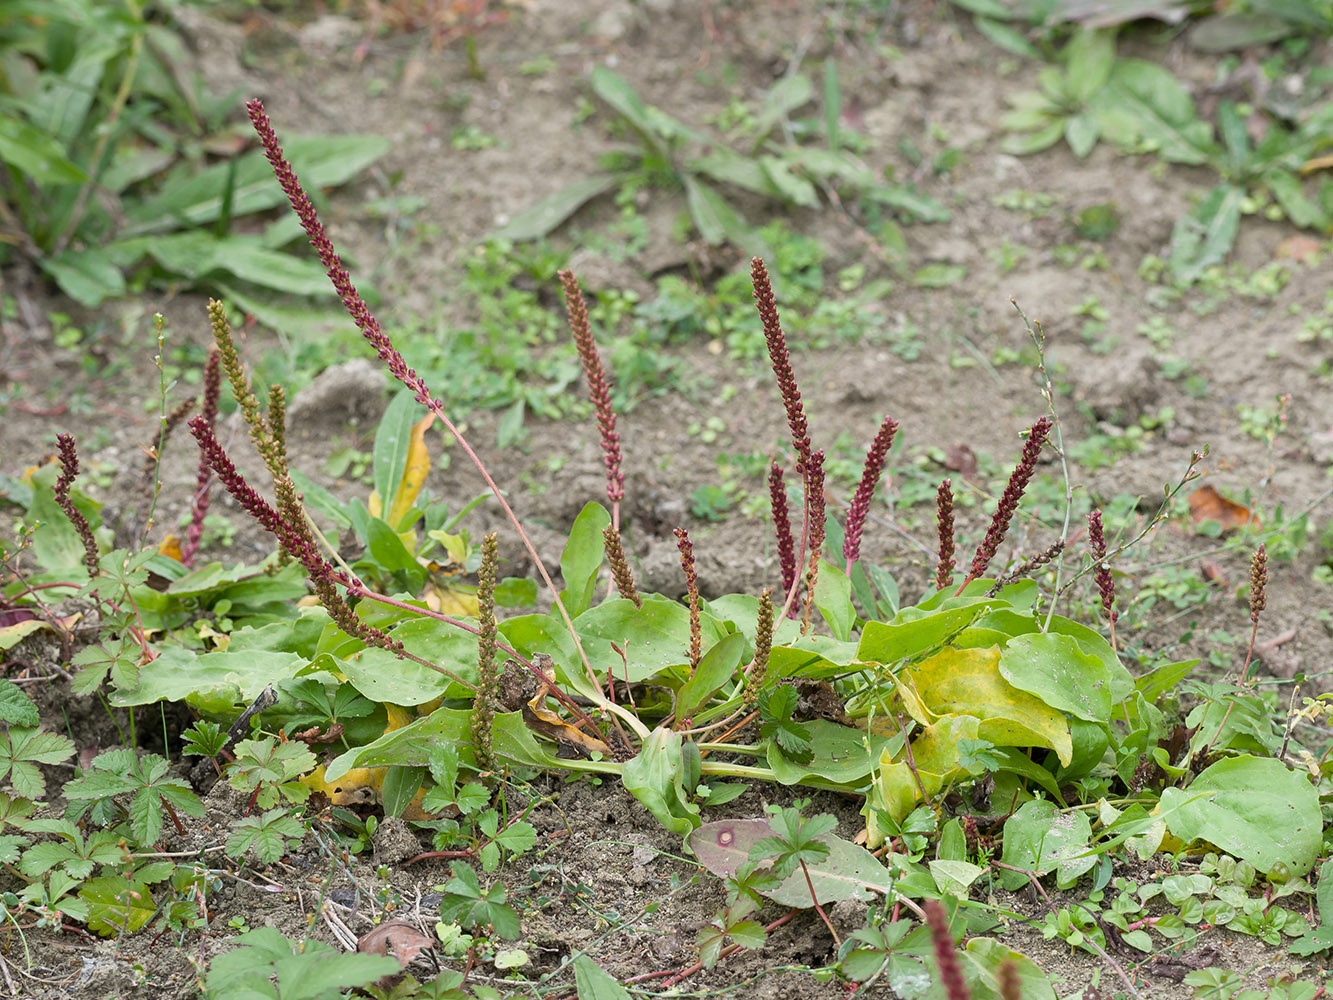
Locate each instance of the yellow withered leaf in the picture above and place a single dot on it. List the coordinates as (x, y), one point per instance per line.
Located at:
(414, 474)
(542, 720)
(363, 786)
(170, 547)
(969, 682)
(445, 600)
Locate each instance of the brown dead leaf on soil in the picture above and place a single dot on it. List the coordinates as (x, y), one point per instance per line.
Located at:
(1206, 504)
(962, 460)
(398, 938)
(1300, 248)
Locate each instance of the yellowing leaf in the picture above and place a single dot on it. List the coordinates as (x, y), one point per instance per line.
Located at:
(447, 600)
(414, 475)
(935, 760)
(358, 787)
(170, 547)
(220, 640)
(969, 682)
(374, 504)
(361, 786)
(398, 717)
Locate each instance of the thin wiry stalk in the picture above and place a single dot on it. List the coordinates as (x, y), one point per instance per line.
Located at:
(1038, 336)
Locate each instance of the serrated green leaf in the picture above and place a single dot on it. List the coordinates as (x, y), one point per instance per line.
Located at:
(16, 708)
(517, 837)
(266, 835)
(1204, 237)
(748, 934)
(117, 905)
(20, 748)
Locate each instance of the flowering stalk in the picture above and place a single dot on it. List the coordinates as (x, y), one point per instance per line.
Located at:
(944, 519)
(1258, 599)
(1013, 493)
(763, 646)
(780, 358)
(814, 505)
(946, 954)
(69, 468)
(488, 677)
(241, 391)
(777, 500)
(277, 428)
(1102, 572)
(288, 525)
(199, 509)
(599, 391)
(692, 587)
(615, 556)
(865, 492)
(394, 361)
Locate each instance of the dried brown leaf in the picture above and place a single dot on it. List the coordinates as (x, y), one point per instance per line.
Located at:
(398, 938)
(1206, 504)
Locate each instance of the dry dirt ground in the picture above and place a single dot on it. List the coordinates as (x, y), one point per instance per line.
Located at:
(606, 879)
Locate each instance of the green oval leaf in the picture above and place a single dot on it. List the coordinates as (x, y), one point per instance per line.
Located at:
(1241, 804)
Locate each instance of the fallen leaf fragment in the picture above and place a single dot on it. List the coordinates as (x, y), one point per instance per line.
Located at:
(1300, 248)
(961, 459)
(312, 735)
(543, 721)
(1211, 570)
(1206, 504)
(397, 938)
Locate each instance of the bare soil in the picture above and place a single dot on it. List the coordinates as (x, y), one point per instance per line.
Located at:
(605, 878)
